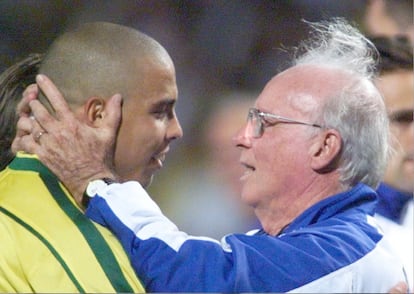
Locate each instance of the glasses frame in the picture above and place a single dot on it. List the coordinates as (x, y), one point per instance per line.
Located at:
(258, 120)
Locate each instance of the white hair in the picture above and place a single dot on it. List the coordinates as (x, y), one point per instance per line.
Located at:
(356, 111)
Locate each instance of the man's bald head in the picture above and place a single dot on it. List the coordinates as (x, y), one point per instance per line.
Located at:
(100, 59)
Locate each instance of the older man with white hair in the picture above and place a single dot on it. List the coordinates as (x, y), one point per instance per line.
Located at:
(314, 149)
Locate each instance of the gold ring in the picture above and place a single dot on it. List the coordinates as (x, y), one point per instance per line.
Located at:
(38, 135)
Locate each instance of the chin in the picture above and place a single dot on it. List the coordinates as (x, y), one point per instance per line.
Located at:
(246, 199)
(146, 182)
(407, 187)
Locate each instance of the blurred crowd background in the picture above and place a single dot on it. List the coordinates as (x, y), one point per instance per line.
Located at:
(224, 51)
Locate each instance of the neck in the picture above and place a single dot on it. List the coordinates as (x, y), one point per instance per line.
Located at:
(286, 207)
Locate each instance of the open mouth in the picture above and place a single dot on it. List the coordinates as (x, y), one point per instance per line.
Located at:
(159, 159)
(249, 169)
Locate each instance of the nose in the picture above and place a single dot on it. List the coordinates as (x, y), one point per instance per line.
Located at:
(243, 138)
(174, 129)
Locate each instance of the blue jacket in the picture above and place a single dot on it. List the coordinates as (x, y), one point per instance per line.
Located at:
(330, 247)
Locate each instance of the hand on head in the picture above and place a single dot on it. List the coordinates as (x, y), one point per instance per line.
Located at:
(60, 140)
(24, 124)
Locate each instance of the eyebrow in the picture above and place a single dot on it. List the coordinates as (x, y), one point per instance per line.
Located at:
(166, 105)
(166, 101)
(402, 115)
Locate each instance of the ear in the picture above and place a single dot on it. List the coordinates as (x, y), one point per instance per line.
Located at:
(325, 151)
(94, 108)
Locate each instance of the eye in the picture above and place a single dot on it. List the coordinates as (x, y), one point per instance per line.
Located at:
(268, 121)
(160, 113)
(163, 111)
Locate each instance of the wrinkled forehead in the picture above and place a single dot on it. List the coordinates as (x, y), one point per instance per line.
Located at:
(302, 88)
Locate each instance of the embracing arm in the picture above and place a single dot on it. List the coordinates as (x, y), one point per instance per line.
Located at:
(164, 258)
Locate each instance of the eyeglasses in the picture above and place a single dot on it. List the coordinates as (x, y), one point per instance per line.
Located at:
(259, 120)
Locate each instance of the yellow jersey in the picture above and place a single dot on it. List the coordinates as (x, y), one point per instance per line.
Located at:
(48, 245)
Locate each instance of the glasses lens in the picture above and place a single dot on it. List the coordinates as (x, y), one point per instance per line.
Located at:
(255, 123)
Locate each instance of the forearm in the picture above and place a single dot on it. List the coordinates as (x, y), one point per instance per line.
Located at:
(129, 206)
(164, 258)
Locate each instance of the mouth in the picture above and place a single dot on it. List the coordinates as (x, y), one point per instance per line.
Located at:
(249, 169)
(409, 163)
(409, 157)
(159, 158)
(408, 160)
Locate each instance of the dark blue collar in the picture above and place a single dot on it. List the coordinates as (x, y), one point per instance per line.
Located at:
(391, 202)
(360, 197)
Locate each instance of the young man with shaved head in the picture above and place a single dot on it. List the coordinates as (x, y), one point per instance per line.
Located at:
(48, 245)
(314, 149)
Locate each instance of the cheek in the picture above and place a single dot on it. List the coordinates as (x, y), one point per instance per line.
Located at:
(129, 153)
(407, 138)
(269, 158)
(268, 165)
(135, 147)
(402, 139)
(279, 163)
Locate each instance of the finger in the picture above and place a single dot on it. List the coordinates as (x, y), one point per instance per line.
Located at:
(37, 135)
(42, 116)
(37, 131)
(32, 89)
(25, 143)
(114, 112)
(29, 94)
(24, 126)
(16, 145)
(53, 95)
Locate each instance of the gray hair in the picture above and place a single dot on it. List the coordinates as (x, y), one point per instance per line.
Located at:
(356, 111)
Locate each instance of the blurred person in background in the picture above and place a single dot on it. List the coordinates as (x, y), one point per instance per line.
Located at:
(396, 83)
(390, 25)
(48, 245)
(225, 120)
(308, 176)
(389, 17)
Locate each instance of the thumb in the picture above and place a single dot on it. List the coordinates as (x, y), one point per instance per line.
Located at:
(112, 124)
(114, 112)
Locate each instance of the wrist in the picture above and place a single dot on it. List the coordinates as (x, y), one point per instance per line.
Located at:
(82, 197)
(94, 186)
